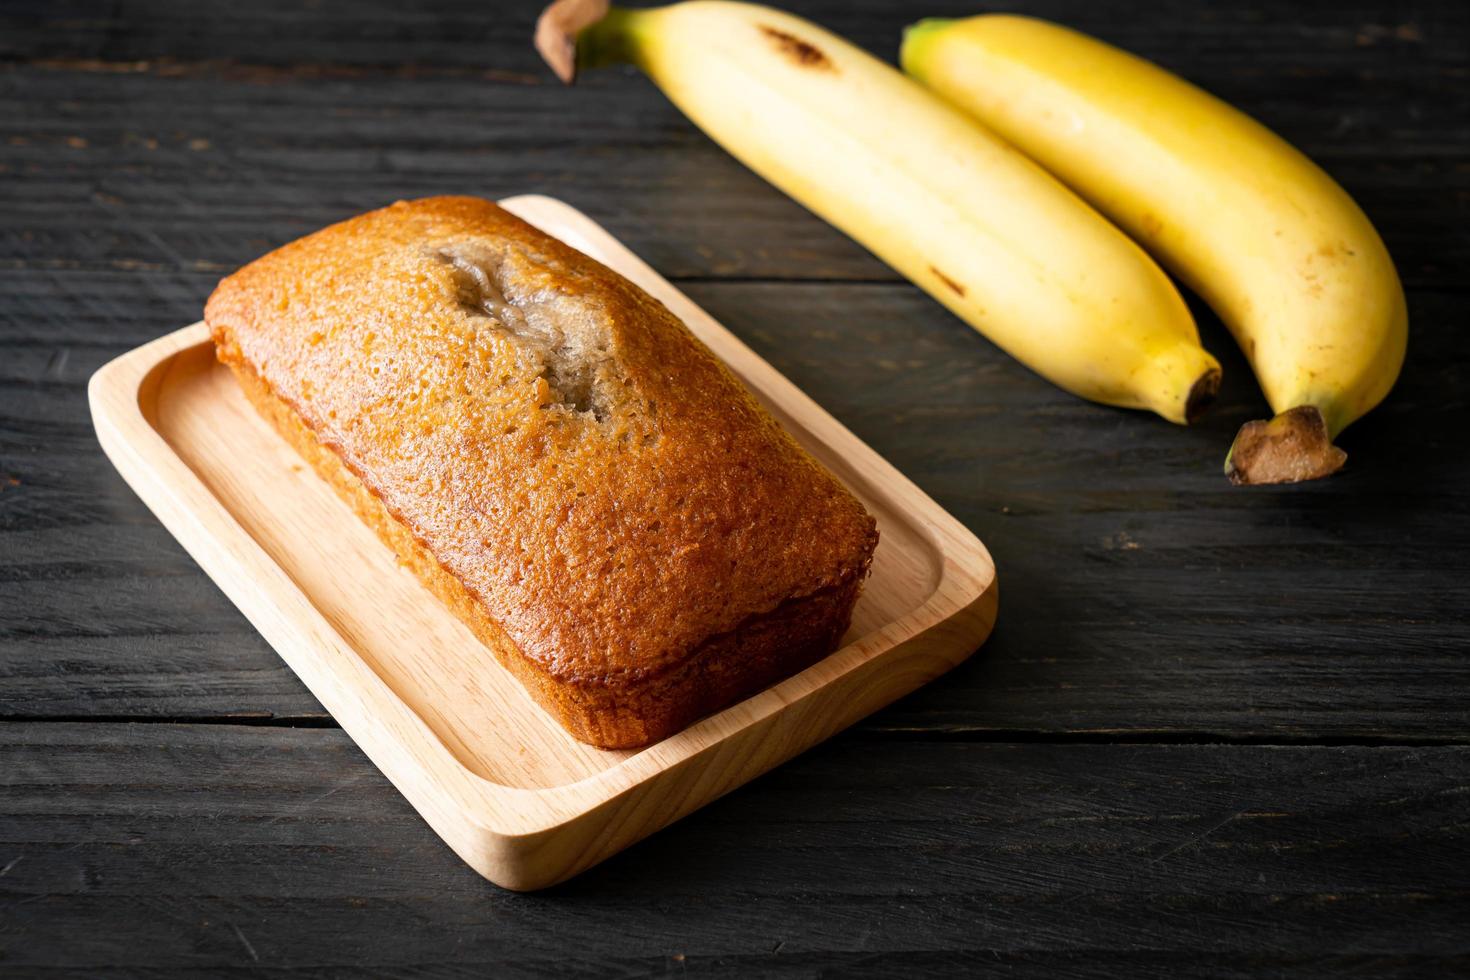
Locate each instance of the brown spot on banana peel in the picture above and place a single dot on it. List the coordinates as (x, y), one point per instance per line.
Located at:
(958, 289)
(557, 30)
(804, 53)
(1291, 448)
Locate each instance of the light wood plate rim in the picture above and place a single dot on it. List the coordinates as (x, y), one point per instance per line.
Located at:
(515, 821)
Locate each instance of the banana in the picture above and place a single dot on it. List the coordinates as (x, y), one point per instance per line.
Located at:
(1279, 250)
(981, 228)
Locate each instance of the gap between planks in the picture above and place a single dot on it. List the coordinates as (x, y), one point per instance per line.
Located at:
(875, 733)
(203, 268)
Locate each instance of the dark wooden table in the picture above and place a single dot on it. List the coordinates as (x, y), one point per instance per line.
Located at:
(1216, 732)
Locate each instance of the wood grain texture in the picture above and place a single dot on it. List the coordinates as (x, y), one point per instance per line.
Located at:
(1047, 860)
(1148, 596)
(189, 135)
(522, 801)
(148, 148)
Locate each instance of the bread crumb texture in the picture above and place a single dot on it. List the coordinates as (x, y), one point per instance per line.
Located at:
(552, 436)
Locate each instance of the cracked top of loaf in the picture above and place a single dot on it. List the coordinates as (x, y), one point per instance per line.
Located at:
(554, 436)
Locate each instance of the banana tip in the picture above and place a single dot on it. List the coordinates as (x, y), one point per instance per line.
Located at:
(1291, 448)
(915, 37)
(928, 25)
(1201, 395)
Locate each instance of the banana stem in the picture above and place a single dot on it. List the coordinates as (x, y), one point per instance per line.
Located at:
(1293, 447)
(557, 32)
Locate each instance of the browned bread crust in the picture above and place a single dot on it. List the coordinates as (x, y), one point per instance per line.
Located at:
(555, 456)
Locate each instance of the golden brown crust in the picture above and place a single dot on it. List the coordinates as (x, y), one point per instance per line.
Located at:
(562, 463)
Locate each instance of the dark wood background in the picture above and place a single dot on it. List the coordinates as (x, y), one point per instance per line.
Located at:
(1216, 732)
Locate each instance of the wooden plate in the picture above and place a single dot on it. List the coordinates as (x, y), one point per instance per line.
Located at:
(523, 803)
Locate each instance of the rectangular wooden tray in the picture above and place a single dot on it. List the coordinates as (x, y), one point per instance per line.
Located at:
(522, 802)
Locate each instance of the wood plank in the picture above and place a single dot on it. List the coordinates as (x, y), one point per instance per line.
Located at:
(463, 35)
(243, 136)
(147, 148)
(517, 797)
(156, 847)
(1143, 593)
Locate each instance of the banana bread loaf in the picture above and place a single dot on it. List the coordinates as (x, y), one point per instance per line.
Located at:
(555, 456)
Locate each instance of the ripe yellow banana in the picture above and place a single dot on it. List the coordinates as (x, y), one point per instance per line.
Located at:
(1278, 249)
(980, 227)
